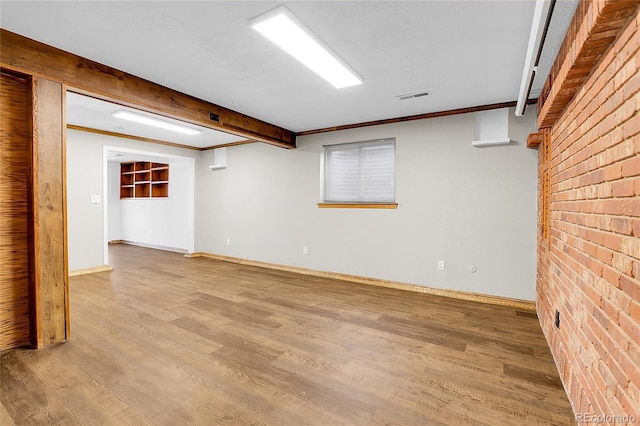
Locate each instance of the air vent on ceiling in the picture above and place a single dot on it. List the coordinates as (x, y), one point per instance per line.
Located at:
(412, 96)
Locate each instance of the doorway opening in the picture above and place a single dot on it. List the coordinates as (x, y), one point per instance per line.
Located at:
(166, 223)
(98, 142)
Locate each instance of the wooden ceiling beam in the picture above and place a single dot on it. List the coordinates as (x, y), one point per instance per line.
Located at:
(81, 75)
(465, 110)
(535, 139)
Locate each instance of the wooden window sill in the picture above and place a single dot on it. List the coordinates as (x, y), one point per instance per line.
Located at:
(358, 205)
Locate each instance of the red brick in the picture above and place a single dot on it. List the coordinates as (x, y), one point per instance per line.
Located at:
(622, 263)
(612, 136)
(629, 326)
(631, 286)
(611, 275)
(631, 87)
(589, 248)
(598, 380)
(631, 127)
(634, 352)
(608, 207)
(601, 322)
(634, 311)
(630, 246)
(592, 244)
(612, 172)
(622, 225)
(620, 299)
(627, 404)
(611, 373)
(612, 241)
(634, 394)
(623, 188)
(594, 295)
(636, 227)
(613, 102)
(612, 312)
(623, 150)
(627, 365)
(635, 269)
(631, 167)
(604, 255)
(630, 207)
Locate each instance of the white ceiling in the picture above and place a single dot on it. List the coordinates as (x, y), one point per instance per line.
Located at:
(465, 53)
(96, 114)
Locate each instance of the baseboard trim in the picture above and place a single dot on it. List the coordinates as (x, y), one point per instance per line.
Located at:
(152, 246)
(86, 271)
(524, 305)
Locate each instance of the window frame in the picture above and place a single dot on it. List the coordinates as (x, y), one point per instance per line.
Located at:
(360, 202)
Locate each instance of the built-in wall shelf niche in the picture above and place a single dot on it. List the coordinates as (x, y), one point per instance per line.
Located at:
(144, 179)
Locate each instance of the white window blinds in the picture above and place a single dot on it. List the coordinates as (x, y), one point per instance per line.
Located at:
(361, 172)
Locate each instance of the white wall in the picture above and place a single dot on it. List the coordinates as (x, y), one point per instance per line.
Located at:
(115, 204)
(465, 205)
(84, 220)
(85, 174)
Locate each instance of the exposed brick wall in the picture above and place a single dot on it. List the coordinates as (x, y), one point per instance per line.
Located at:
(589, 263)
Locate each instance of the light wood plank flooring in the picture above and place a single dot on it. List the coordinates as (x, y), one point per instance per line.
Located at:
(165, 340)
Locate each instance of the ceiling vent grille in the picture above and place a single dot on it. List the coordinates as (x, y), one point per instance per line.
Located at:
(412, 95)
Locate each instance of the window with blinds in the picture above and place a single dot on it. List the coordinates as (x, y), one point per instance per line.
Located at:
(360, 172)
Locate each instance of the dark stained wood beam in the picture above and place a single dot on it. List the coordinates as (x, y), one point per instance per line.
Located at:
(125, 136)
(156, 141)
(227, 145)
(534, 140)
(445, 113)
(81, 75)
(48, 267)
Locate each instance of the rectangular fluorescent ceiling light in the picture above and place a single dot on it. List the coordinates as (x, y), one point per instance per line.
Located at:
(290, 34)
(155, 122)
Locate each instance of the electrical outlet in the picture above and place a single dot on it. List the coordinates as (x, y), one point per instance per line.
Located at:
(305, 250)
(441, 265)
(228, 241)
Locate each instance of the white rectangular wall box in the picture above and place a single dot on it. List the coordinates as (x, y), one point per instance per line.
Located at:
(491, 127)
(219, 158)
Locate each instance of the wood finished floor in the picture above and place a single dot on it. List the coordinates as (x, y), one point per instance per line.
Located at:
(165, 340)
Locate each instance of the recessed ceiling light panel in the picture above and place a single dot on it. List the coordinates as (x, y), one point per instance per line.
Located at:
(290, 34)
(155, 122)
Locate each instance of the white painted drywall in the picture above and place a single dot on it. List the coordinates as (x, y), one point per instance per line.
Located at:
(465, 205)
(84, 220)
(85, 172)
(114, 227)
(468, 206)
